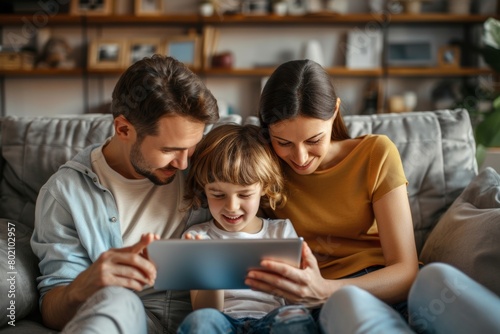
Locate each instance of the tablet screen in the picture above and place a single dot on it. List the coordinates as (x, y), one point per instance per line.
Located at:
(216, 264)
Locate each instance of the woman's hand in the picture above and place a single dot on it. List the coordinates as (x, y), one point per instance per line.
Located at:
(303, 285)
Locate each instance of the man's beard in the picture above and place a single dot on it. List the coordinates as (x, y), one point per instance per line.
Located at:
(140, 166)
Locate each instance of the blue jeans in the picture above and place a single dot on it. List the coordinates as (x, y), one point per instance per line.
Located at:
(113, 310)
(442, 300)
(117, 310)
(401, 307)
(294, 319)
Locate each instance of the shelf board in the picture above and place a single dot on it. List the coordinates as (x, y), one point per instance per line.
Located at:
(265, 71)
(436, 18)
(39, 20)
(151, 19)
(43, 72)
(349, 72)
(106, 71)
(238, 72)
(437, 71)
(322, 18)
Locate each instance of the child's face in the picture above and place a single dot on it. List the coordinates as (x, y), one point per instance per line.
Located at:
(234, 207)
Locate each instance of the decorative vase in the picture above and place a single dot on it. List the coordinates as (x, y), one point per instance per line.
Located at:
(376, 6)
(460, 7)
(223, 60)
(314, 52)
(338, 6)
(206, 9)
(413, 6)
(280, 8)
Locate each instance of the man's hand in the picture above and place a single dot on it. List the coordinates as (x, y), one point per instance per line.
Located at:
(128, 267)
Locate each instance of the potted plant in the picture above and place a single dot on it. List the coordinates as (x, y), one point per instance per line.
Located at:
(487, 131)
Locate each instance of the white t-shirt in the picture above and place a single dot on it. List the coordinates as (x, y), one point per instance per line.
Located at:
(143, 207)
(246, 302)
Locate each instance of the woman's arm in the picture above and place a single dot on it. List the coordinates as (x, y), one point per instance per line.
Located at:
(207, 299)
(391, 284)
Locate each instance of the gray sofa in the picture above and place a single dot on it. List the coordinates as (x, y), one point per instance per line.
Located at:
(437, 149)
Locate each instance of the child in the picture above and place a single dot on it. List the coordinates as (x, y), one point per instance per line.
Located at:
(234, 172)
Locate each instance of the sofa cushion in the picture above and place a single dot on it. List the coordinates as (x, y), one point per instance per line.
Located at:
(438, 153)
(34, 148)
(20, 268)
(467, 235)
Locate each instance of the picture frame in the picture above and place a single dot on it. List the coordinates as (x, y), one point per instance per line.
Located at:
(417, 52)
(107, 54)
(148, 7)
(91, 7)
(449, 56)
(139, 48)
(185, 49)
(363, 51)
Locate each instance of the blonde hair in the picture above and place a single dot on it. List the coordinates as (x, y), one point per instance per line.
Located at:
(236, 154)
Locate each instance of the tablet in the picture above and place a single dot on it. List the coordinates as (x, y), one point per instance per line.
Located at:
(216, 264)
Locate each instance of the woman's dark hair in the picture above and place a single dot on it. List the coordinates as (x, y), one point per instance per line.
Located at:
(159, 86)
(300, 88)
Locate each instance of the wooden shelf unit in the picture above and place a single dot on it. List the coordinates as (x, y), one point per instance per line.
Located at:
(197, 22)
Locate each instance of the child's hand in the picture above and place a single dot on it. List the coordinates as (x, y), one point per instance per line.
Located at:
(195, 236)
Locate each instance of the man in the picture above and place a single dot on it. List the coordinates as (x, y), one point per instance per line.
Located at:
(95, 217)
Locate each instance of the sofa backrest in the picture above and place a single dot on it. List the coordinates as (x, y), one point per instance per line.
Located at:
(437, 150)
(438, 153)
(33, 149)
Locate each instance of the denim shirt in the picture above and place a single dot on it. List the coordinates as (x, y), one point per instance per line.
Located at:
(76, 220)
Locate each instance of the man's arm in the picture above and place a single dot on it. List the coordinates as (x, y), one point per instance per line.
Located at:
(126, 267)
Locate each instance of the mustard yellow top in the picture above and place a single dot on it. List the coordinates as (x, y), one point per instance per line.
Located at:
(332, 208)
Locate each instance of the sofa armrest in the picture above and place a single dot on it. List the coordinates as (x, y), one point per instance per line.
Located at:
(20, 267)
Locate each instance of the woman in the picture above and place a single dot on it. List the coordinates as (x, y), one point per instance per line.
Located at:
(346, 196)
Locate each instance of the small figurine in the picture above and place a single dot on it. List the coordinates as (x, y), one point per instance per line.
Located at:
(55, 54)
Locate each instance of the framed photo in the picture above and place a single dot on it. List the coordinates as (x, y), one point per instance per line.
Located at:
(363, 50)
(409, 53)
(148, 7)
(140, 48)
(449, 56)
(185, 49)
(107, 54)
(91, 7)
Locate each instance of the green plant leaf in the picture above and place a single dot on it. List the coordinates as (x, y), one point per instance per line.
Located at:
(492, 32)
(491, 56)
(480, 154)
(488, 131)
(496, 103)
